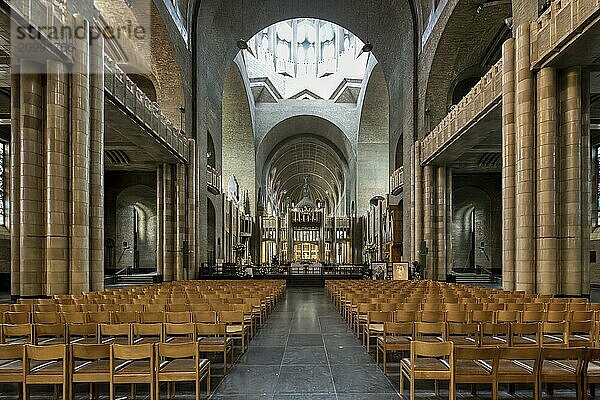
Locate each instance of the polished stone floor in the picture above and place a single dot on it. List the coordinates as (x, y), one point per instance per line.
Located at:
(305, 351)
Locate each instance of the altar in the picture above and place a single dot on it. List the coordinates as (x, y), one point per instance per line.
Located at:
(299, 268)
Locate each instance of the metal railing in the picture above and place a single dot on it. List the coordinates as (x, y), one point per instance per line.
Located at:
(126, 92)
(469, 109)
(397, 181)
(558, 24)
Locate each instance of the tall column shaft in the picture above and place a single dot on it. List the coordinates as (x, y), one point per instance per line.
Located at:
(418, 220)
(571, 190)
(31, 217)
(587, 173)
(168, 234)
(428, 220)
(15, 182)
(160, 221)
(97, 164)
(441, 216)
(57, 179)
(546, 248)
(508, 164)
(413, 253)
(192, 200)
(525, 163)
(180, 219)
(80, 161)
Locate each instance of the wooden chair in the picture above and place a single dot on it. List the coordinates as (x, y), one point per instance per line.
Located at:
(428, 361)
(396, 338)
(11, 364)
(45, 334)
(213, 338)
(46, 317)
(43, 365)
(114, 333)
(179, 333)
(82, 333)
(555, 334)
(591, 372)
(405, 316)
(18, 333)
(236, 327)
(430, 332)
(519, 365)
(89, 363)
(581, 334)
(494, 334)
(475, 366)
(152, 317)
(178, 317)
(132, 364)
(180, 362)
(121, 317)
(563, 366)
(146, 333)
(374, 326)
(463, 333)
(525, 334)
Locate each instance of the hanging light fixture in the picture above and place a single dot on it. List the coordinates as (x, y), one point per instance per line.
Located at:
(242, 44)
(367, 47)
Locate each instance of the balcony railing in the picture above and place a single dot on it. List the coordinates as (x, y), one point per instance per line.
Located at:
(148, 113)
(397, 181)
(475, 104)
(213, 179)
(563, 20)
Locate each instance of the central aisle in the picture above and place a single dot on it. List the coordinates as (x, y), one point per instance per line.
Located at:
(305, 350)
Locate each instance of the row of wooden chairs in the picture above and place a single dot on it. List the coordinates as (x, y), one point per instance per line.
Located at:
(66, 365)
(360, 316)
(396, 337)
(536, 366)
(212, 337)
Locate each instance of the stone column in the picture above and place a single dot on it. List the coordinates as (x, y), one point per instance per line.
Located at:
(56, 146)
(192, 197)
(80, 161)
(418, 189)
(508, 164)
(15, 182)
(413, 254)
(31, 215)
(180, 218)
(525, 163)
(97, 164)
(449, 217)
(428, 220)
(441, 206)
(587, 173)
(546, 248)
(160, 221)
(168, 233)
(571, 190)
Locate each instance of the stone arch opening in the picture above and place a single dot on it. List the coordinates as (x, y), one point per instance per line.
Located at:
(136, 226)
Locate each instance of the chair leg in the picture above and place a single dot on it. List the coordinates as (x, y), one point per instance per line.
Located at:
(495, 391)
(25, 391)
(451, 390)
(412, 388)
(225, 361)
(437, 388)
(208, 384)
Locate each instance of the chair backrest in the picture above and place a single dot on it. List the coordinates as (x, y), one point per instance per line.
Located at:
(186, 330)
(177, 350)
(482, 316)
(209, 317)
(80, 331)
(178, 317)
(532, 316)
(113, 332)
(46, 317)
(124, 317)
(17, 332)
(132, 352)
(507, 316)
(150, 317)
(440, 350)
(154, 330)
(47, 331)
(431, 316)
(99, 317)
(231, 317)
(90, 351)
(529, 330)
(398, 328)
(379, 317)
(17, 317)
(218, 329)
(405, 316)
(489, 355)
(423, 329)
(457, 316)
